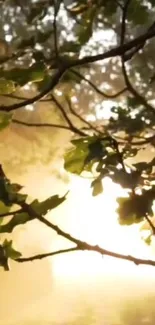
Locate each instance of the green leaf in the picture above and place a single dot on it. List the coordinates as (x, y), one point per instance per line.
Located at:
(21, 76)
(9, 192)
(75, 159)
(17, 219)
(110, 8)
(3, 259)
(70, 47)
(37, 13)
(96, 151)
(6, 86)
(126, 180)
(87, 151)
(97, 186)
(5, 119)
(138, 13)
(133, 102)
(10, 252)
(3, 209)
(39, 37)
(85, 31)
(41, 208)
(51, 203)
(134, 208)
(4, 195)
(148, 240)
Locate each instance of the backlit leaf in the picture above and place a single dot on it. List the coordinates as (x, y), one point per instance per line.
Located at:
(6, 86)
(10, 251)
(41, 208)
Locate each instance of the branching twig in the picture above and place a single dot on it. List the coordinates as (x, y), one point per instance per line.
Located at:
(136, 143)
(81, 245)
(91, 127)
(116, 51)
(54, 81)
(130, 88)
(69, 122)
(129, 56)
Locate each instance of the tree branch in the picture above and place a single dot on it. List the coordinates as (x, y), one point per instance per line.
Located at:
(129, 56)
(54, 81)
(81, 245)
(41, 256)
(116, 51)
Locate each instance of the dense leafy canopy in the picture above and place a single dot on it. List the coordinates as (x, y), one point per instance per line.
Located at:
(99, 56)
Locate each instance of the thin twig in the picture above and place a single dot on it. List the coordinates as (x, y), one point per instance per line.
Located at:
(7, 214)
(72, 127)
(150, 224)
(41, 256)
(55, 30)
(23, 98)
(81, 245)
(49, 125)
(54, 81)
(91, 127)
(100, 92)
(135, 143)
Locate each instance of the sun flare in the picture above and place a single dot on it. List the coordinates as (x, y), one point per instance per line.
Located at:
(94, 220)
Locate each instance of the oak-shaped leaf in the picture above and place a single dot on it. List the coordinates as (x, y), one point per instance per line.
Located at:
(134, 208)
(41, 208)
(21, 76)
(126, 180)
(86, 151)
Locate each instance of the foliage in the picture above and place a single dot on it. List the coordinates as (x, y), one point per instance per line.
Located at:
(56, 45)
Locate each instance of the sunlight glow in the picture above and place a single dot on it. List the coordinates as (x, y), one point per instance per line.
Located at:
(103, 110)
(94, 220)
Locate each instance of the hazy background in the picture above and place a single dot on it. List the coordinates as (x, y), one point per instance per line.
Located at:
(80, 288)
